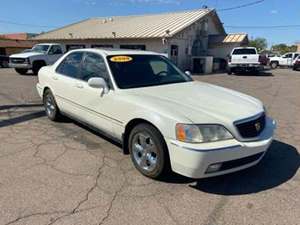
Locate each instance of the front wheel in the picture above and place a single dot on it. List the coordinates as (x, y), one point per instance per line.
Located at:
(21, 71)
(50, 105)
(148, 151)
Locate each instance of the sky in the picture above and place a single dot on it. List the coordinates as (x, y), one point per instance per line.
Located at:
(50, 14)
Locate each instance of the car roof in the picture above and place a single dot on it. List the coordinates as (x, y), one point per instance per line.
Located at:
(113, 51)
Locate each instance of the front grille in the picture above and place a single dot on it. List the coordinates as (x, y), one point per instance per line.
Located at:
(17, 60)
(240, 162)
(252, 128)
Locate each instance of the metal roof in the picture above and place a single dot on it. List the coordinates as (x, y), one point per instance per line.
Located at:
(128, 27)
(235, 38)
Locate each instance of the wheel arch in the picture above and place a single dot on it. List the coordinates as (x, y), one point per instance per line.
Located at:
(128, 128)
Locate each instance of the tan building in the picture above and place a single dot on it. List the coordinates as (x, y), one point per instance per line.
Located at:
(9, 46)
(298, 47)
(183, 36)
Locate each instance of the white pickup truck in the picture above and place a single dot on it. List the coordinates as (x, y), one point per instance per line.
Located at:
(244, 59)
(37, 57)
(284, 60)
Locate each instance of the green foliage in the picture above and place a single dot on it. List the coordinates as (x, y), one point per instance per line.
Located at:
(284, 48)
(259, 43)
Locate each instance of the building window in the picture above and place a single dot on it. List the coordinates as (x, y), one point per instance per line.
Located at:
(72, 47)
(102, 46)
(134, 47)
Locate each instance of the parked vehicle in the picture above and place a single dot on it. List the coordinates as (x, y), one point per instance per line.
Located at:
(40, 55)
(245, 59)
(4, 61)
(162, 117)
(296, 63)
(285, 60)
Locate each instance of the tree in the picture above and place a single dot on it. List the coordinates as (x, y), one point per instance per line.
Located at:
(259, 43)
(284, 48)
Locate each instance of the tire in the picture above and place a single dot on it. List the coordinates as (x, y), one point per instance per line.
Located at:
(274, 65)
(51, 109)
(37, 66)
(21, 71)
(229, 71)
(148, 151)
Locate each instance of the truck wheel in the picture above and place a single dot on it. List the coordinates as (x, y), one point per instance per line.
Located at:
(274, 65)
(37, 66)
(21, 71)
(229, 71)
(148, 151)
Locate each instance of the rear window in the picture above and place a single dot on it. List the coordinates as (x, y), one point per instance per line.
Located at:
(244, 51)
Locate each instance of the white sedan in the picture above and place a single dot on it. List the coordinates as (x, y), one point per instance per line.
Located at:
(163, 118)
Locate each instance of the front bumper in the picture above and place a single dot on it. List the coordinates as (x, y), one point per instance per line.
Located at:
(20, 65)
(193, 160)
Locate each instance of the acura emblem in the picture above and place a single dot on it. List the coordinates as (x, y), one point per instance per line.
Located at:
(258, 126)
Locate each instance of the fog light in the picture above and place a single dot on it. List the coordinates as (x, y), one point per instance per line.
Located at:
(214, 168)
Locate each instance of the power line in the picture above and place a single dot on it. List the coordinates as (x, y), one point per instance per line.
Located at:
(25, 24)
(264, 27)
(241, 6)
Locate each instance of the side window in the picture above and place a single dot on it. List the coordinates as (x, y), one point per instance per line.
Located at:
(55, 50)
(93, 66)
(70, 66)
(288, 56)
(296, 55)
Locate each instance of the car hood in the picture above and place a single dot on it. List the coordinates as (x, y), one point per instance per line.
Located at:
(201, 102)
(26, 54)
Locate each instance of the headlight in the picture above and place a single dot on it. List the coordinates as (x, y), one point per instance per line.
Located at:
(201, 133)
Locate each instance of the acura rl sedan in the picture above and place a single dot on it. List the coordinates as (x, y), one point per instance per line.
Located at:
(162, 117)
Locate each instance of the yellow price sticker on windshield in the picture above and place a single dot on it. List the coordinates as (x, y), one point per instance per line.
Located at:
(121, 59)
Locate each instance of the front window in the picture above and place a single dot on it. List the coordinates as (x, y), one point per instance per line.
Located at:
(40, 48)
(134, 71)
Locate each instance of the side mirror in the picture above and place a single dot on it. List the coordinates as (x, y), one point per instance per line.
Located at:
(99, 83)
(188, 73)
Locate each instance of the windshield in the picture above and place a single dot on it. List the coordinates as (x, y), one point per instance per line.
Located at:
(40, 48)
(134, 71)
(244, 51)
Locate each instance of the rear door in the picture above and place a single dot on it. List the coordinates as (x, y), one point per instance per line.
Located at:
(244, 56)
(64, 83)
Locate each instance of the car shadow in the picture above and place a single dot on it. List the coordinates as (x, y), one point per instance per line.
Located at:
(279, 165)
(260, 74)
(5, 107)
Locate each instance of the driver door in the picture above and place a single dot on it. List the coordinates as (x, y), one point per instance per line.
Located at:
(96, 108)
(54, 53)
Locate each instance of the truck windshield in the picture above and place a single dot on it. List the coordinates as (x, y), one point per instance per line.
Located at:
(134, 71)
(40, 48)
(244, 51)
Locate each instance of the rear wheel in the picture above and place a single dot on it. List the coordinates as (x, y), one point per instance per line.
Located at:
(21, 71)
(148, 151)
(50, 105)
(37, 66)
(229, 71)
(274, 65)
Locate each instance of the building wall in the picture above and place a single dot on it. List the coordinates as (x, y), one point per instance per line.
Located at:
(298, 47)
(222, 51)
(11, 50)
(185, 40)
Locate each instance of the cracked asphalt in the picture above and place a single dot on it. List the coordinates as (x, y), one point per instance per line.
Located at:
(65, 174)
